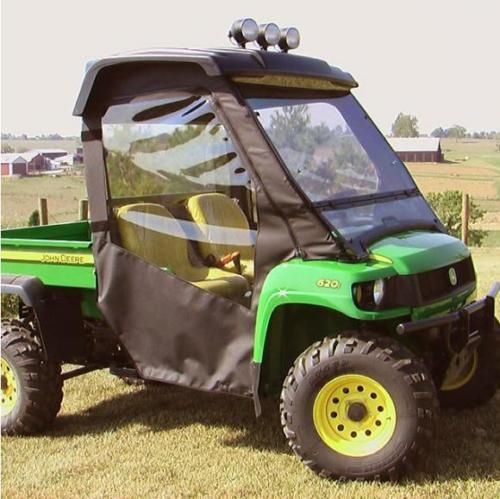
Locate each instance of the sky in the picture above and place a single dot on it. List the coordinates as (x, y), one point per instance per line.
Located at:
(437, 60)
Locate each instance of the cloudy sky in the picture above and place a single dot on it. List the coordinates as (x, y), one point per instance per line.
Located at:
(435, 59)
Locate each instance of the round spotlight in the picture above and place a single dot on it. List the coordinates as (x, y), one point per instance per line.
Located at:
(269, 34)
(290, 39)
(244, 31)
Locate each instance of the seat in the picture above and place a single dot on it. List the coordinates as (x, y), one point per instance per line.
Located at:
(151, 232)
(211, 212)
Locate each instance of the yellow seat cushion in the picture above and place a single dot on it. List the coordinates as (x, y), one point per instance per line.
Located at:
(215, 212)
(151, 232)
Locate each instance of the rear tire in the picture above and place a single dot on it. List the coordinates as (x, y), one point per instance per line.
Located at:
(384, 424)
(496, 349)
(31, 387)
(477, 383)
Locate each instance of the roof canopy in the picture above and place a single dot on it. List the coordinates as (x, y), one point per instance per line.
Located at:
(219, 62)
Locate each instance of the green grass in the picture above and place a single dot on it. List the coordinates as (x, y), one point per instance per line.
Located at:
(492, 239)
(112, 440)
(20, 198)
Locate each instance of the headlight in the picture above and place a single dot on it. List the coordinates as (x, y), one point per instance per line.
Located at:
(378, 291)
(371, 295)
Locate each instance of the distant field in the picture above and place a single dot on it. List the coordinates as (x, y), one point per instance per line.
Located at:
(471, 166)
(22, 145)
(20, 198)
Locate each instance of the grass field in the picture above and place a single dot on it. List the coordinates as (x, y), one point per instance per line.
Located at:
(112, 440)
(20, 198)
(472, 166)
(479, 175)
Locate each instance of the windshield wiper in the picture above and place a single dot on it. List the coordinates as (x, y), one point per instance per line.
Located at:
(366, 199)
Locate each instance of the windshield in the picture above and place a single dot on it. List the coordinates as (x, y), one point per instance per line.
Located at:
(342, 164)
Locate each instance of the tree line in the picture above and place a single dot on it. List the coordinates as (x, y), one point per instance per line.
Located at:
(406, 125)
(44, 136)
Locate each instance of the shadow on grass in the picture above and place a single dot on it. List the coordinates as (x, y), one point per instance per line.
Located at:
(467, 445)
(160, 408)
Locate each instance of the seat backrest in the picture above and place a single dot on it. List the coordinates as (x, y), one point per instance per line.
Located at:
(151, 232)
(211, 212)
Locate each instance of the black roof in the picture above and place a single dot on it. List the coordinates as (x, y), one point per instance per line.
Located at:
(218, 62)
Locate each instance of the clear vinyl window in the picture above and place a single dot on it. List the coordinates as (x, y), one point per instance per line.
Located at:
(343, 164)
(180, 194)
(168, 145)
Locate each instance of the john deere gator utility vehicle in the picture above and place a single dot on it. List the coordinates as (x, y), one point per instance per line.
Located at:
(251, 233)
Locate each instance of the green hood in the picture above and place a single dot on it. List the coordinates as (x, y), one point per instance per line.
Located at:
(417, 251)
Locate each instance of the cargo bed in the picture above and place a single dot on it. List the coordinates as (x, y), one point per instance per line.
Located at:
(59, 254)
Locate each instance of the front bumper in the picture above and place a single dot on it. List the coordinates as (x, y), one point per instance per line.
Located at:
(458, 326)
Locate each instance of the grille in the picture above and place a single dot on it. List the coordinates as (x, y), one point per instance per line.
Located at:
(436, 283)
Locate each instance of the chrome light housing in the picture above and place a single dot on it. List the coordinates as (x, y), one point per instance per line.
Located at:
(269, 35)
(244, 31)
(290, 39)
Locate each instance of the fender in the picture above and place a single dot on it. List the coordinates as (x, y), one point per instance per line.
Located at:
(326, 284)
(58, 315)
(323, 283)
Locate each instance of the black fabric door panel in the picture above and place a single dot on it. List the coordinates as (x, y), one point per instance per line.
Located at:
(174, 331)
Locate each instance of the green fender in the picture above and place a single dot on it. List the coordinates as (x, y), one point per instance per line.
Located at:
(329, 283)
(323, 283)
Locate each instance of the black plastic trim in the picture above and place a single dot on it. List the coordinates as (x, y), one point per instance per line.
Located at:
(366, 199)
(460, 317)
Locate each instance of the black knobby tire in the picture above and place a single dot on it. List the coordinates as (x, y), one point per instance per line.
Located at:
(39, 383)
(131, 381)
(481, 387)
(391, 365)
(496, 350)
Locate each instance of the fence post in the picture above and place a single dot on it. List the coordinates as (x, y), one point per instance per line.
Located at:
(465, 217)
(43, 210)
(83, 209)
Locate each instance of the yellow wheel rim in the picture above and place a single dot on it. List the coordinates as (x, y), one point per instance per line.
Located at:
(354, 415)
(462, 367)
(9, 388)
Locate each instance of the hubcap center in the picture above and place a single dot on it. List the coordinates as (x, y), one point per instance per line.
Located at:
(356, 411)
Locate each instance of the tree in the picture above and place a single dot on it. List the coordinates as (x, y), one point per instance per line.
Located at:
(448, 207)
(6, 148)
(438, 132)
(456, 132)
(405, 125)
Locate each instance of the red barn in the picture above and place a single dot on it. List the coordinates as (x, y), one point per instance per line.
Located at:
(417, 149)
(14, 164)
(36, 162)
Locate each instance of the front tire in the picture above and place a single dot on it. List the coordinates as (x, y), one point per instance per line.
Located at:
(31, 387)
(359, 408)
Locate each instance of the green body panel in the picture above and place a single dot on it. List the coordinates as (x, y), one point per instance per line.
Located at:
(59, 255)
(299, 281)
(64, 234)
(414, 252)
(89, 304)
